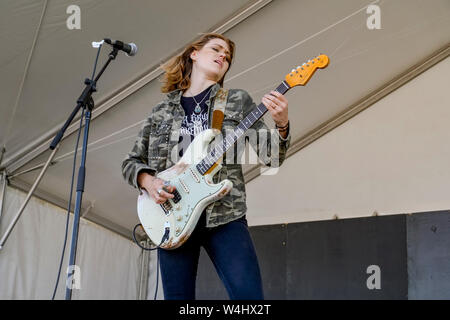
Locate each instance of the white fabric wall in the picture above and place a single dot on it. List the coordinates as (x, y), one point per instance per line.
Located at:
(392, 158)
(152, 279)
(29, 261)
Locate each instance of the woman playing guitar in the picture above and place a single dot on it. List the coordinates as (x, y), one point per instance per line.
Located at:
(192, 80)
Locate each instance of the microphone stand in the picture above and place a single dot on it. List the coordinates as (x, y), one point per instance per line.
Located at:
(86, 102)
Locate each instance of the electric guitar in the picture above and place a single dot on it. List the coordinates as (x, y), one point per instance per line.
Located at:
(170, 224)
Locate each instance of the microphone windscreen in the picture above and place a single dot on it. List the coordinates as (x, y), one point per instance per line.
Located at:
(133, 50)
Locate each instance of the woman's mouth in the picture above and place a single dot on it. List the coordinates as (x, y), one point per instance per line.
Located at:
(219, 62)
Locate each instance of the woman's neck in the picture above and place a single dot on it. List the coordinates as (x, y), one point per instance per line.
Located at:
(198, 85)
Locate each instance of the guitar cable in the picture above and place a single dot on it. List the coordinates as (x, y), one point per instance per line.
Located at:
(69, 205)
(164, 238)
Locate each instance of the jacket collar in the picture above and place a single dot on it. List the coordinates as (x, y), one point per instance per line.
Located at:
(174, 96)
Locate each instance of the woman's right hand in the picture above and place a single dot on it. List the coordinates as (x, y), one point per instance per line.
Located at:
(152, 185)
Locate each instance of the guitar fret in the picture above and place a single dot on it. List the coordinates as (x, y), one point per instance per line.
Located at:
(283, 87)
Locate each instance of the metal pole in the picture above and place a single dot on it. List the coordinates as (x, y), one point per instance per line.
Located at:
(19, 213)
(79, 199)
(2, 197)
(2, 152)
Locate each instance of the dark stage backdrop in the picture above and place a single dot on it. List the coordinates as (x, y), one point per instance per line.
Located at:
(383, 257)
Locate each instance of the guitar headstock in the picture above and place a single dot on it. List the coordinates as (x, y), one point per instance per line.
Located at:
(301, 75)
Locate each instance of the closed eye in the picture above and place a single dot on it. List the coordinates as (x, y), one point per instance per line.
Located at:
(227, 56)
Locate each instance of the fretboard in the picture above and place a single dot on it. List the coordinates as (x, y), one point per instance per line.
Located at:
(221, 148)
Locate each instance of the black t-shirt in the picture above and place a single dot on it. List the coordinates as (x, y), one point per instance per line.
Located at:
(193, 122)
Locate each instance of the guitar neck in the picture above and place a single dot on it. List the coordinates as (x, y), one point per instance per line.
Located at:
(220, 149)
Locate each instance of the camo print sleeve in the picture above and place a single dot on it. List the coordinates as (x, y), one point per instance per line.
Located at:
(270, 147)
(137, 160)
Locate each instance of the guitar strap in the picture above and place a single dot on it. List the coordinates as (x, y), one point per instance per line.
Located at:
(220, 103)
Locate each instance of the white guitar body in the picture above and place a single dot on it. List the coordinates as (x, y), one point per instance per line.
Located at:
(195, 193)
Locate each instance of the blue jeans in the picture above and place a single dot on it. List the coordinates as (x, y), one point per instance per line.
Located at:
(231, 250)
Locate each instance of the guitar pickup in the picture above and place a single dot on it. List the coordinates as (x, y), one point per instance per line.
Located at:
(177, 196)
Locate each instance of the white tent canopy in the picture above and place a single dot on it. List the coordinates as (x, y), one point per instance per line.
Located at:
(44, 64)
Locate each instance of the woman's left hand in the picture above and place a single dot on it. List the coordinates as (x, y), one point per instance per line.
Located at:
(277, 104)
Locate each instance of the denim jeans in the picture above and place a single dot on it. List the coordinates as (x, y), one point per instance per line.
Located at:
(231, 250)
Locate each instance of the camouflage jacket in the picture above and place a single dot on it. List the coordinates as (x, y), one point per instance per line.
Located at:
(155, 148)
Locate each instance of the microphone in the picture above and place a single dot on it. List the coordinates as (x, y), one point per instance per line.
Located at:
(129, 48)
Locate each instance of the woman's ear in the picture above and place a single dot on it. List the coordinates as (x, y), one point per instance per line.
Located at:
(193, 55)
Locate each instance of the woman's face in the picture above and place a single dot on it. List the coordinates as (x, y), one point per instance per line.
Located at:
(213, 59)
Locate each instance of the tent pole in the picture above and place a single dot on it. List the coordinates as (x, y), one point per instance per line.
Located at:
(22, 208)
(2, 152)
(3, 192)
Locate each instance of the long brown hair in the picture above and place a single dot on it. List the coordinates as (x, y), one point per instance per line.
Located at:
(178, 69)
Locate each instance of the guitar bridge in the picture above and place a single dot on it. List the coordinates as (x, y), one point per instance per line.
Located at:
(167, 206)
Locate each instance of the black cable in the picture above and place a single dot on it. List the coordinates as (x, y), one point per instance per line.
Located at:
(134, 238)
(70, 203)
(72, 181)
(164, 238)
(157, 273)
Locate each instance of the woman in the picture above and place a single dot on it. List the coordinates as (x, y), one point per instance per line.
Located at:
(191, 82)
